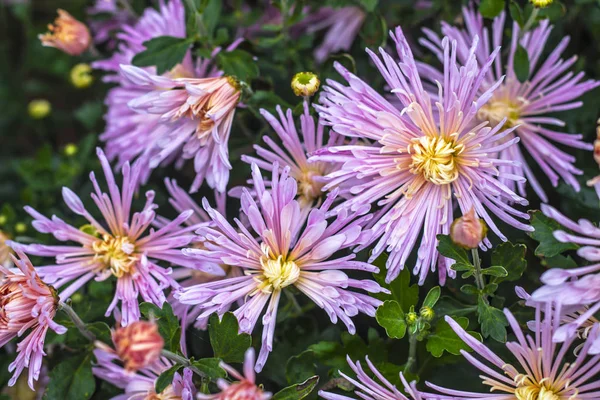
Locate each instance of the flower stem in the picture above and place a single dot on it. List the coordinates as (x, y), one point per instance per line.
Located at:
(412, 353)
(79, 324)
(181, 361)
(478, 275)
(530, 20)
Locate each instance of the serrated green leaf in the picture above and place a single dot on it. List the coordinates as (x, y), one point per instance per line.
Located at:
(449, 249)
(512, 258)
(226, 341)
(559, 261)
(210, 367)
(491, 8)
(390, 316)
(168, 324)
(450, 306)
(521, 64)
(297, 391)
(544, 229)
(445, 339)
(402, 291)
(432, 297)
(492, 320)
(72, 379)
(238, 63)
(101, 330)
(301, 367)
(163, 52)
(166, 378)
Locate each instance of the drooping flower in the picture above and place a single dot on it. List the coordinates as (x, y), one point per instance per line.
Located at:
(27, 305)
(138, 345)
(285, 249)
(123, 247)
(425, 159)
(369, 388)
(67, 34)
(468, 231)
(541, 371)
(140, 385)
(528, 106)
(244, 388)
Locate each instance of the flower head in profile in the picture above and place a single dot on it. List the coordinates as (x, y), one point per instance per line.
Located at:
(123, 246)
(468, 231)
(140, 385)
(373, 388)
(67, 34)
(542, 370)
(425, 159)
(27, 306)
(528, 106)
(244, 388)
(282, 249)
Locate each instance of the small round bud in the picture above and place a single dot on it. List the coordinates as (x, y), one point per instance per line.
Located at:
(39, 108)
(541, 3)
(77, 297)
(427, 313)
(67, 34)
(81, 76)
(3, 219)
(138, 345)
(20, 227)
(468, 231)
(71, 149)
(411, 318)
(305, 84)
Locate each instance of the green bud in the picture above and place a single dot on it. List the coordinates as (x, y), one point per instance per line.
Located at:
(412, 318)
(427, 313)
(305, 84)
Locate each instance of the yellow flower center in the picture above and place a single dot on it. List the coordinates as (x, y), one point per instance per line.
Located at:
(308, 188)
(534, 392)
(167, 394)
(116, 253)
(276, 273)
(435, 158)
(496, 111)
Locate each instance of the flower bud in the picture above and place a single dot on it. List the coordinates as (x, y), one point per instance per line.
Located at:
(427, 313)
(138, 345)
(39, 108)
(305, 84)
(81, 76)
(411, 318)
(20, 227)
(541, 3)
(71, 149)
(67, 34)
(468, 231)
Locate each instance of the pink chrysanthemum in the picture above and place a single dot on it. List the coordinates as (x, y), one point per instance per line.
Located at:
(426, 158)
(244, 388)
(528, 105)
(285, 249)
(124, 246)
(541, 372)
(27, 304)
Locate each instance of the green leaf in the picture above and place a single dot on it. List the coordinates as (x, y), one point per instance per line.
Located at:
(391, 317)
(516, 13)
(163, 52)
(210, 367)
(493, 321)
(238, 63)
(101, 330)
(512, 258)
(449, 249)
(544, 228)
(450, 306)
(72, 379)
(432, 297)
(168, 324)
(469, 289)
(301, 367)
(521, 64)
(369, 5)
(445, 339)
(403, 292)
(211, 15)
(166, 378)
(496, 271)
(297, 391)
(491, 8)
(226, 341)
(559, 261)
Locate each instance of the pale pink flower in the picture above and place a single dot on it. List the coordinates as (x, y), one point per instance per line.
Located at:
(67, 34)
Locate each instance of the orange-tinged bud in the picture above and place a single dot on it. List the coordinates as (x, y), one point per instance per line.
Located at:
(138, 345)
(468, 231)
(67, 34)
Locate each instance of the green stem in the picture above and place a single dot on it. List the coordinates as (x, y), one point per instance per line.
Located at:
(412, 353)
(530, 20)
(79, 324)
(479, 280)
(181, 361)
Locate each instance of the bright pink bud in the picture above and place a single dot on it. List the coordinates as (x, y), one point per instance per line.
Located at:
(468, 231)
(67, 34)
(138, 344)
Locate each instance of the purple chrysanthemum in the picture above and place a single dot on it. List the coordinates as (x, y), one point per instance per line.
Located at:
(123, 246)
(542, 371)
(113, 18)
(369, 388)
(285, 249)
(528, 105)
(422, 157)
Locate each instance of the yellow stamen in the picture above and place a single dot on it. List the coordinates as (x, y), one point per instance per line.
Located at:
(435, 158)
(277, 273)
(117, 253)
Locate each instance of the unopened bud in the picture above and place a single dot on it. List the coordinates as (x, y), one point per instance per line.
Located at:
(305, 84)
(71, 149)
(81, 76)
(541, 3)
(138, 345)
(468, 231)
(20, 227)
(39, 108)
(67, 34)
(427, 313)
(411, 318)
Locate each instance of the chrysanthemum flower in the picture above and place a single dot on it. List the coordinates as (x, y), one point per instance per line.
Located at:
(27, 305)
(425, 159)
(285, 249)
(528, 106)
(113, 18)
(138, 344)
(369, 388)
(121, 247)
(5, 251)
(244, 388)
(140, 385)
(67, 34)
(541, 372)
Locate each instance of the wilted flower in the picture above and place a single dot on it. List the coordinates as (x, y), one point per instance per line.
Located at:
(140, 385)
(421, 164)
(138, 345)
(542, 372)
(27, 304)
(118, 248)
(284, 250)
(369, 388)
(527, 106)
(39, 108)
(468, 231)
(245, 388)
(67, 34)
(81, 76)
(305, 84)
